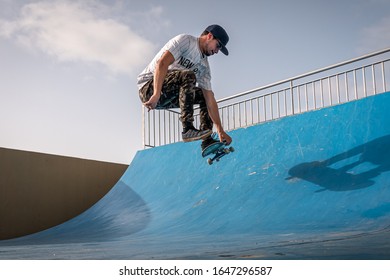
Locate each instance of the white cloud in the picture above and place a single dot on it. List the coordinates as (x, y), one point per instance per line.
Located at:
(376, 37)
(74, 31)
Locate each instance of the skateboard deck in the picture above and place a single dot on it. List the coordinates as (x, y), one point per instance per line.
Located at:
(218, 149)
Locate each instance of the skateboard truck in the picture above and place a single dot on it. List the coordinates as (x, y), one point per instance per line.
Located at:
(219, 150)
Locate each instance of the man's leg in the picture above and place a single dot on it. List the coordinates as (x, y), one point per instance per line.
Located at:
(170, 92)
(178, 91)
(186, 101)
(205, 120)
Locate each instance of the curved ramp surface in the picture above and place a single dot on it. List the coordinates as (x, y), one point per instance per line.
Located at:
(311, 186)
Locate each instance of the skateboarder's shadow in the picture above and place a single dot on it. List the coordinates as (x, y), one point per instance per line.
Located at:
(351, 170)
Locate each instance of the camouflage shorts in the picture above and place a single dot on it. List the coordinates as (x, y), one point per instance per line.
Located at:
(179, 91)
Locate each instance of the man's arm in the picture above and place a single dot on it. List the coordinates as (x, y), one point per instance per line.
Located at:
(158, 79)
(212, 108)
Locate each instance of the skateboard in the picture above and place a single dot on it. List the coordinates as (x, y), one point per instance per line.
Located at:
(218, 149)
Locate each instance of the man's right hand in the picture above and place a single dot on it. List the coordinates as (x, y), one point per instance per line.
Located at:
(151, 104)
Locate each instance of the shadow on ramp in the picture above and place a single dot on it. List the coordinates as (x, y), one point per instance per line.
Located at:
(351, 170)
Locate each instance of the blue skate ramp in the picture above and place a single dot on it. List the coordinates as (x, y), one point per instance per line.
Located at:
(310, 186)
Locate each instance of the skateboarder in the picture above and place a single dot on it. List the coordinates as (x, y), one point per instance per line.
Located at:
(179, 77)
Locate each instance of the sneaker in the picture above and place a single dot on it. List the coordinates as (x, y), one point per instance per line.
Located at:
(208, 142)
(193, 134)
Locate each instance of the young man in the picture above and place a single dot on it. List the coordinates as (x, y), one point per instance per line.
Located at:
(179, 77)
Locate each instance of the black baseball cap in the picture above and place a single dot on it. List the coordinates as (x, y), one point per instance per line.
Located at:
(220, 34)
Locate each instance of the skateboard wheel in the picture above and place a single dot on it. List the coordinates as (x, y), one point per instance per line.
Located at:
(231, 149)
(209, 161)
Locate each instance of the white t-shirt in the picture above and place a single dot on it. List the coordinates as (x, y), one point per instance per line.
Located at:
(185, 50)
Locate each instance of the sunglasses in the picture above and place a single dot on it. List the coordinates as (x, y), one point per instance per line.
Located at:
(219, 44)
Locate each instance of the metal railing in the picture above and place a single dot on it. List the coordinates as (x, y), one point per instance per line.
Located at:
(343, 82)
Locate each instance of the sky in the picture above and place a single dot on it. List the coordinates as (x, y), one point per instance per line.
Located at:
(68, 69)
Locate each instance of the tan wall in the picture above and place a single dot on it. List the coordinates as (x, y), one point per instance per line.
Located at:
(38, 191)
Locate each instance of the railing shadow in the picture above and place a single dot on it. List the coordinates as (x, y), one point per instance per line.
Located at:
(345, 176)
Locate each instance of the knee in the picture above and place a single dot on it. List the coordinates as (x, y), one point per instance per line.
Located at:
(188, 76)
